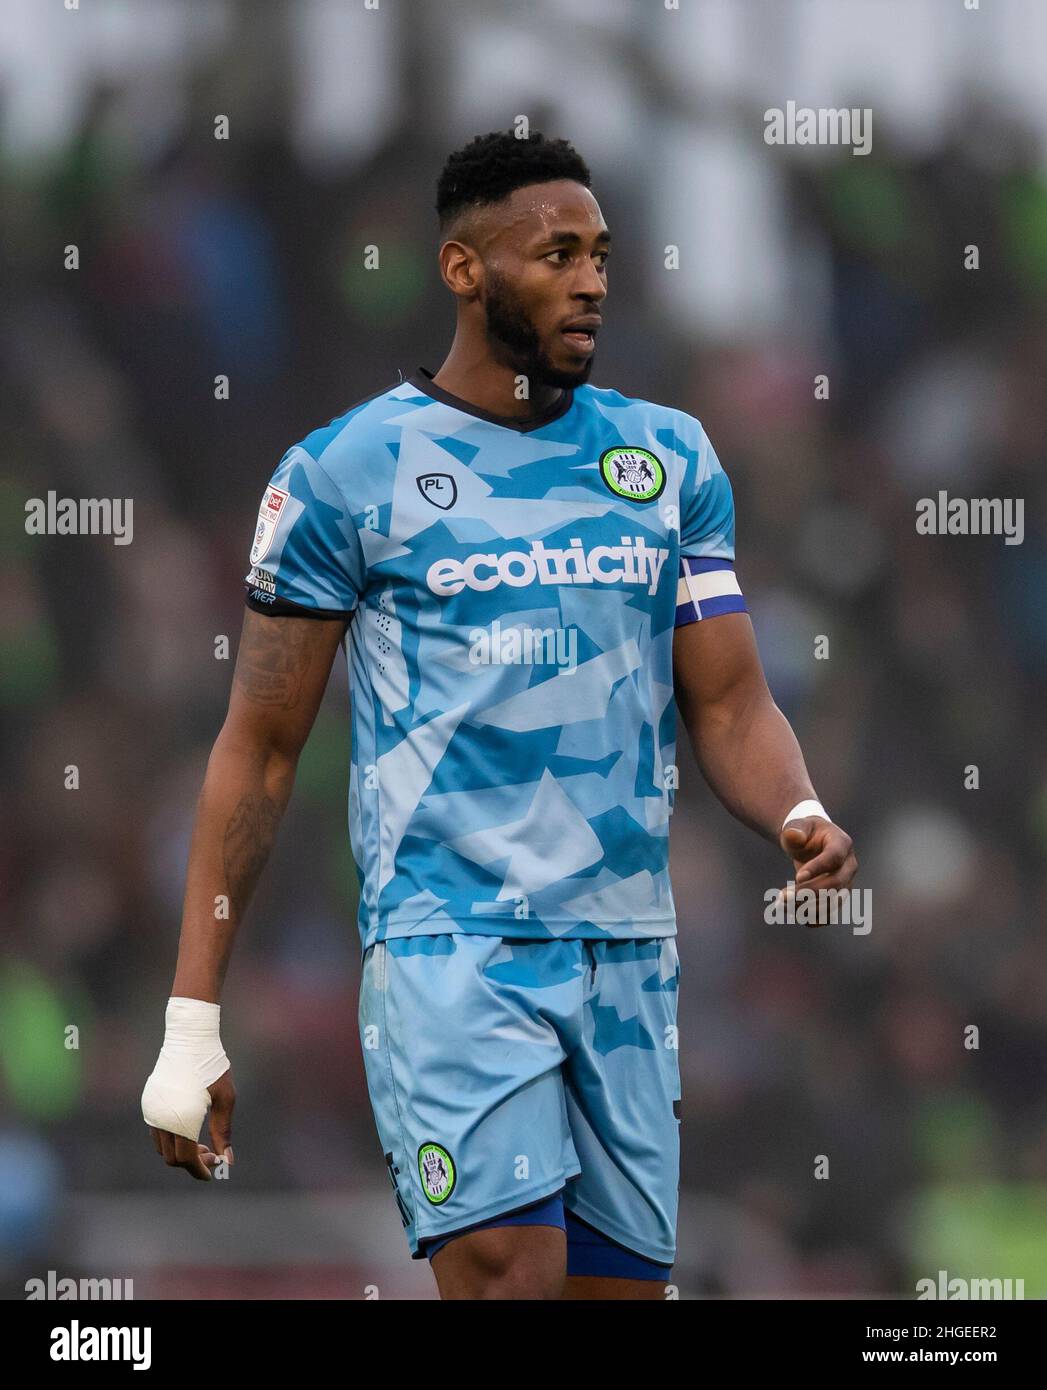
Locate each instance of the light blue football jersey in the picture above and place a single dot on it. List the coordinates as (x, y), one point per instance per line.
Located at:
(510, 591)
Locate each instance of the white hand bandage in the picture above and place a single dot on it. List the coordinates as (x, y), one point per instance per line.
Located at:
(803, 809)
(175, 1096)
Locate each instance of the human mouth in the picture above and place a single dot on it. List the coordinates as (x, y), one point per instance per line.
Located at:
(580, 341)
(581, 333)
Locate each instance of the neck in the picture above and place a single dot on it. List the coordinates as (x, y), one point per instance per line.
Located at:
(470, 373)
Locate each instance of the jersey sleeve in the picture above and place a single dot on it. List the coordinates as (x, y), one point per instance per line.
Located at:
(306, 559)
(708, 585)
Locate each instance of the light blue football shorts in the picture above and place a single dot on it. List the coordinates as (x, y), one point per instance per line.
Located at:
(501, 1070)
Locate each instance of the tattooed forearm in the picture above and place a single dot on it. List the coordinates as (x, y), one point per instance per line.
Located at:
(274, 657)
(281, 673)
(249, 837)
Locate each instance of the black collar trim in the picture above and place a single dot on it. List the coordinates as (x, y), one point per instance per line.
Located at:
(423, 380)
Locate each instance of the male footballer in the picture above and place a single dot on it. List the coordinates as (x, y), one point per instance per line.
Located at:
(528, 575)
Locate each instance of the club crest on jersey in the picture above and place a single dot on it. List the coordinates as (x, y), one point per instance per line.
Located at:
(437, 1172)
(268, 516)
(438, 488)
(632, 473)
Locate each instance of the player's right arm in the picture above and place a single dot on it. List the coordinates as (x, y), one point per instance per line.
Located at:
(282, 669)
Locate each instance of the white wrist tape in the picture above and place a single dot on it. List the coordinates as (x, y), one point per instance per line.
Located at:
(192, 1058)
(803, 809)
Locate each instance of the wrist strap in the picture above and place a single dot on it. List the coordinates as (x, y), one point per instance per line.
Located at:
(192, 1037)
(803, 809)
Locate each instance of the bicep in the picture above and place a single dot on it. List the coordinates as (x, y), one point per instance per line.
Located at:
(282, 668)
(715, 664)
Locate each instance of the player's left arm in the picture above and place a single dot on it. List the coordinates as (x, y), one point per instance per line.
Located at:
(747, 750)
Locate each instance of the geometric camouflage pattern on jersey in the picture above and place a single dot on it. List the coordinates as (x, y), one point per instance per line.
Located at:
(511, 593)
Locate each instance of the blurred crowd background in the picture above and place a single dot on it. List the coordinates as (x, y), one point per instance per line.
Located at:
(245, 257)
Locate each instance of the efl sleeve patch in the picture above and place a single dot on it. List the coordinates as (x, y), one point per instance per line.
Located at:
(706, 589)
(305, 557)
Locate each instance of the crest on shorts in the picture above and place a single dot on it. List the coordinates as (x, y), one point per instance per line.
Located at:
(268, 516)
(437, 1172)
(633, 473)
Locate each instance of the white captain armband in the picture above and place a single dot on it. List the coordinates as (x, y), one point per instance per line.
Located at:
(706, 589)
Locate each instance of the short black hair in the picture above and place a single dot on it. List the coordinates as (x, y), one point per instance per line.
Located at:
(492, 166)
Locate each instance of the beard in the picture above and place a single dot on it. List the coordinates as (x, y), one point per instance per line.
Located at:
(514, 340)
